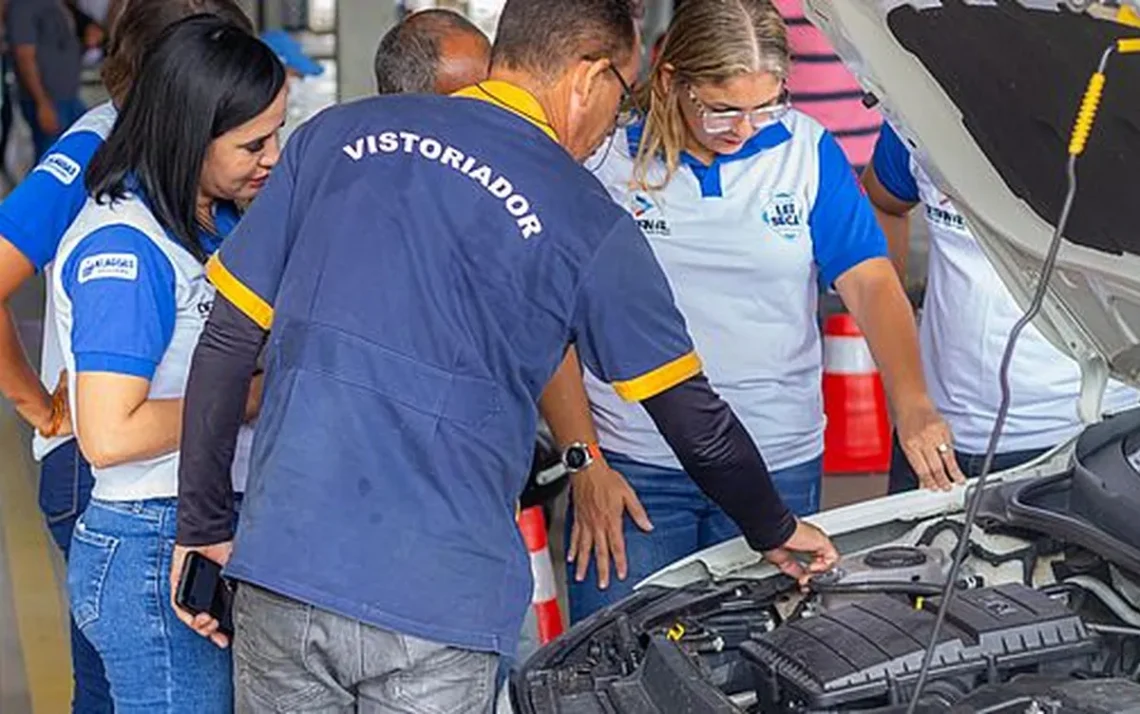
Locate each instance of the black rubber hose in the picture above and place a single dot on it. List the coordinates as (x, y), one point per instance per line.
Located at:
(890, 587)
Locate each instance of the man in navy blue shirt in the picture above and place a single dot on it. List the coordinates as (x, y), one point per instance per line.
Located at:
(424, 263)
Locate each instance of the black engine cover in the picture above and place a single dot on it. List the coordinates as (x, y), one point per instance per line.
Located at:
(870, 652)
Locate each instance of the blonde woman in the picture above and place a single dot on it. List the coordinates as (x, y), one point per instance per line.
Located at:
(750, 207)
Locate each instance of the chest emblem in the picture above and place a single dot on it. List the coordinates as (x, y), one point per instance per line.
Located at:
(647, 215)
(784, 214)
(945, 216)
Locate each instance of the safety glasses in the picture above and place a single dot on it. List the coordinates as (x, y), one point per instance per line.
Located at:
(721, 122)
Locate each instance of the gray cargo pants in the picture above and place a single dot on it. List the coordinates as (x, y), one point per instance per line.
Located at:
(292, 657)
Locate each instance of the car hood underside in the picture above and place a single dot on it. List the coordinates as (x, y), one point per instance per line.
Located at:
(986, 94)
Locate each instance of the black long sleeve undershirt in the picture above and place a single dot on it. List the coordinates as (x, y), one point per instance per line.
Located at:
(216, 392)
(720, 456)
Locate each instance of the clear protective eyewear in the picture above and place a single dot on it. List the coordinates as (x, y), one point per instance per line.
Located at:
(722, 122)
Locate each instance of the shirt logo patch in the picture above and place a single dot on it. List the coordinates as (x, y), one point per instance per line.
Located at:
(641, 207)
(109, 266)
(62, 166)
(944, 216)
(785, 216)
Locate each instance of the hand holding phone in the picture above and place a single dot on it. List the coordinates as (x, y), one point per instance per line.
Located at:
(201, 597)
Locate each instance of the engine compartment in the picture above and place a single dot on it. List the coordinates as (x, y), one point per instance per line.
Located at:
(1025, 629)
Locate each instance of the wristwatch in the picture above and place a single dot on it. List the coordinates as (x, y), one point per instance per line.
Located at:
(578, 456)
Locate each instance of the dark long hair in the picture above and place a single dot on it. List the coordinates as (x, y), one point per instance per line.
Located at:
(203, 78)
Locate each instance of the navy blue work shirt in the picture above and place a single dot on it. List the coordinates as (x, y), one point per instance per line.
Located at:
(423, 262)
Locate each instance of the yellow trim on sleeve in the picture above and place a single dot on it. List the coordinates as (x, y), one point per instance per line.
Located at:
(237, 293)
(664, 377)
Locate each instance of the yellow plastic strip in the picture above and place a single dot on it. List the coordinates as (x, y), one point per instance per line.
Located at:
(41, 625)
(1087, 115)
(664, 377)
(676, 632)
(1128, 16)
(237, 293)
(1128, 46)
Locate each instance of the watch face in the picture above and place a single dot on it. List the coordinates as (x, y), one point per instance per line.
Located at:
(576, 458)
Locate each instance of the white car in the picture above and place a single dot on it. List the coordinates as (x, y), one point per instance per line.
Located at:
(1046, 615)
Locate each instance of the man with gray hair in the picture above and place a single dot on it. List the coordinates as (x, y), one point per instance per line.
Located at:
(431, 51)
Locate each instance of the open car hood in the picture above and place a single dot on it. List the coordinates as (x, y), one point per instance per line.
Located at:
(986, 93)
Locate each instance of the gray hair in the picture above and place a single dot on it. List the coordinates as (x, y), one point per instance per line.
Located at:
(408, 55)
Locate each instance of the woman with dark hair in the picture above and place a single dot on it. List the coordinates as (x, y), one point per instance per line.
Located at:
(33, 218)
(196, 136)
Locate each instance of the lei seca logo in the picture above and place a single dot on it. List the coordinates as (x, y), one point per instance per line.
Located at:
(785, 216)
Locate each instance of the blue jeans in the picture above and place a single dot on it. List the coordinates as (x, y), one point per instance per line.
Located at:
(65, 489)
(68, 110)
(684, 522)
(903, 478)
(119, 582)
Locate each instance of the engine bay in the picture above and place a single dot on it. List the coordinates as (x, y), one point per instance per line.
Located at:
(1035, 623)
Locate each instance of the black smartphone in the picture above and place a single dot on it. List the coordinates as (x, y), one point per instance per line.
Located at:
(203, 589)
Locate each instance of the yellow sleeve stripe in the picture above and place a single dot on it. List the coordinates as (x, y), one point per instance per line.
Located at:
(237, 293)
(664, 377)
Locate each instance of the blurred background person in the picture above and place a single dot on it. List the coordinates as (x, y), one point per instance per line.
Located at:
(431, 52)
(45, 41)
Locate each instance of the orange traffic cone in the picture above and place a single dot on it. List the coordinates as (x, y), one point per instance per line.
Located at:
(858, 434)
(548, 614)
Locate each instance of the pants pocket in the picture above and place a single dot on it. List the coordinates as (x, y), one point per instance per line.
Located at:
(91, 555)
(269, 655)
(444, 680)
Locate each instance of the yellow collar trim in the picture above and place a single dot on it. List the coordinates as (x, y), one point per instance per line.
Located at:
(513, 98)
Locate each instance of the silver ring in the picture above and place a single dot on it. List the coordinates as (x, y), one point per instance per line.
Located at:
(943, 448)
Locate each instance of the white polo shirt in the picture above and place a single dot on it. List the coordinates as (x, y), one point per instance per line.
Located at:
(967, 316)
(746, 244)
(130, 300)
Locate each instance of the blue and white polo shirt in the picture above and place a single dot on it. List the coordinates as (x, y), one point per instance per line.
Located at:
(36, 214)
(746, 243)
(130, 300)
(967, 316)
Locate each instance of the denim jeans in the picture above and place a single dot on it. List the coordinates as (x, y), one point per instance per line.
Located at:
(292, 657)
(903, 478)
(684, 522)
(119, 582)
(65, 489)
(68, 111)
